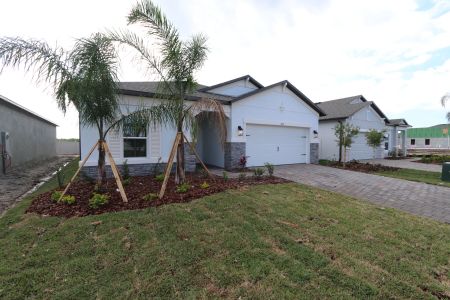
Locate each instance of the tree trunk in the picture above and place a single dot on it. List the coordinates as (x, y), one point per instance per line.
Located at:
(180, 175)
(345, 156)
(101, 177)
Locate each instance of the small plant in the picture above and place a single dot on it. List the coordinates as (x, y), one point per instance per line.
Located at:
(243, 161)
(204, 185)
(98, 200)
(183, 188)
(126, 181)
(270, 168)
(150, 197)
(68, 199)
(258, 172)
(242, 176)
(159, 177)
(125, 170)
(55, 196)
(60, 177)
(225, 176)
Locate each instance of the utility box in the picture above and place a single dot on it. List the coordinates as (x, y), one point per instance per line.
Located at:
(446, 172)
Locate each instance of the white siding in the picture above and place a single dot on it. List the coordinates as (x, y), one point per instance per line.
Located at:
(276, 106)
(366, 119)
(235, 89)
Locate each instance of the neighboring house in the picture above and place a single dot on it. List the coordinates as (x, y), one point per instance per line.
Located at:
(397, 130)
(24, 136)
(354, 110)
(276, 124)
(434, 137)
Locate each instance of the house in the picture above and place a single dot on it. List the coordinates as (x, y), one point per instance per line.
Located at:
(354, 110)
(276, 124)
(434, 137)
(25, 137)
(397, 130)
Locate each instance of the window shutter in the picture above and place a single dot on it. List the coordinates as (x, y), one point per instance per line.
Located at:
(155, 141)
(114, 143)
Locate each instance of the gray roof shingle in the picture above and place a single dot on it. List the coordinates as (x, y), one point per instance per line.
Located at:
(346, 107)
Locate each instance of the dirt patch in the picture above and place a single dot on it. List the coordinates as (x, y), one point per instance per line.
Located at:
(136, 190)
(21, 179)
(361, 167)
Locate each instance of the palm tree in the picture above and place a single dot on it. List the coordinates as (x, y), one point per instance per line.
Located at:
(85, 77)
(178, 62)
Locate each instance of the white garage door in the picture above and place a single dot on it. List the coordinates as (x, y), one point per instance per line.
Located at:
(360, 149)
(276, 144)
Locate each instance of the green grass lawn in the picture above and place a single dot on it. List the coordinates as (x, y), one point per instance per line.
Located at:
(416, 175)
(266, 242)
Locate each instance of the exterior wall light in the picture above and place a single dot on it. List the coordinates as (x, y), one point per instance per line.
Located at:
(316, 134)
(240, 131)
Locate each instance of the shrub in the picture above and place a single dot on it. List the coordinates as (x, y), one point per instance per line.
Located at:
(183, 188)
(56, 195)
(98, 200)
(150, 197)
(159, 177)
(60, 178)
(225, 176)
(258, 172)
(242, 176)
(204, 185)
(125, 170)
(243, 161)
(126, 181)
(270, 168)
(68, 199)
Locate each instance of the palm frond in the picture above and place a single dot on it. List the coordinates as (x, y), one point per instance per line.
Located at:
(49, 65)
(207, 109)
(151, 17)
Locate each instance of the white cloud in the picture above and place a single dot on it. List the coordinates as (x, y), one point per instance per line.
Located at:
(328, 49)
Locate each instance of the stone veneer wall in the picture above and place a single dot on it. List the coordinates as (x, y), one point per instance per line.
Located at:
(314, 153)
(233, 153)
(146, 169)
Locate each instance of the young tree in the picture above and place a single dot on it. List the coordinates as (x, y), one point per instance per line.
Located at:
(374, 139)
(345, 133)
(85, 77)
(175, 66)
(444, 100)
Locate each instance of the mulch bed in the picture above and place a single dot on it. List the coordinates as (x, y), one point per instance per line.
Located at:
(135, 190)
(362, 167)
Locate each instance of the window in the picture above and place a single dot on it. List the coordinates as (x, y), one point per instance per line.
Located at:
(413, 142)
(386, 146)
(134, 141)
(427, 142)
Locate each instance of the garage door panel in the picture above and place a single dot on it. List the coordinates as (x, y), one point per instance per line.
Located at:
(276, 144)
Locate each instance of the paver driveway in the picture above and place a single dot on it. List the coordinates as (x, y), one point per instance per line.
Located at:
(414, 197)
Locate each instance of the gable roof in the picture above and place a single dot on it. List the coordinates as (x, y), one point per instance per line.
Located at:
(291, 87)
(250, 78)
(23, 109)
(150, 89)
(398, 123)
(344, 108)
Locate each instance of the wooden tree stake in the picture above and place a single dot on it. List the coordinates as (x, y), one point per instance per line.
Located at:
(78, 171)
(169, 165)
(198, 157)
(116, 173)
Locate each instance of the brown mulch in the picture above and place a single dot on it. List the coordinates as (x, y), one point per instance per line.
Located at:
(137, 188)
(362, 167)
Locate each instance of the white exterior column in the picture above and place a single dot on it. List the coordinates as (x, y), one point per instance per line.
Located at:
(404, 151)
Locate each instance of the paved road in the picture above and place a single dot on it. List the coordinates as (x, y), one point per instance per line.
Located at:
(413, 197)
(21, 179)
(406, 164)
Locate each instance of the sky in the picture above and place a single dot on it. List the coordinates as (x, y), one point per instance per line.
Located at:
(396, 53)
